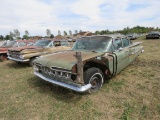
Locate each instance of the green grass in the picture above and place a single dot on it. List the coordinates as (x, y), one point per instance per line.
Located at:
(133, 94)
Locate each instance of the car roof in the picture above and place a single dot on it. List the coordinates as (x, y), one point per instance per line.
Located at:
(24, 40)
(54, 39)
(109, 35)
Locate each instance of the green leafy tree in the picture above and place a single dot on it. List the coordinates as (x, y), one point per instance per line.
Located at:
(1, 37)
(16, 33)
(25, 37)
(11, 35)
(52, 36)
(97, 32)
(7, 37)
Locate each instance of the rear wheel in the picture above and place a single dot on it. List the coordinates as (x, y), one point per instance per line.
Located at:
(94, 76)
(3, 57)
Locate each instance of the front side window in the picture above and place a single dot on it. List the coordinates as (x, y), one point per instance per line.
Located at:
(117, 43)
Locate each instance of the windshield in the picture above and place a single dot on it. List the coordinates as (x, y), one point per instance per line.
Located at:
(42, 43)
(98, 44)
(9, 44)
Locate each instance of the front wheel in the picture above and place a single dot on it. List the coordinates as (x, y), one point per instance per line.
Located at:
(3, 57)
(94, 76)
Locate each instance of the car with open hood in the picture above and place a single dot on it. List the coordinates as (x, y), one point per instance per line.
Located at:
(45, 46)
(91, 61)
(12, 44)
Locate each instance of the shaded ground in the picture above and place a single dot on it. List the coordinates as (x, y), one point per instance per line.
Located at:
(132, 94)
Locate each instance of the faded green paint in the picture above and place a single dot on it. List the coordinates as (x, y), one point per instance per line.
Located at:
(65, 60)
(111, 59)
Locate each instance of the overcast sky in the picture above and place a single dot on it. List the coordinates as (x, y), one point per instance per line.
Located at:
(87, 15)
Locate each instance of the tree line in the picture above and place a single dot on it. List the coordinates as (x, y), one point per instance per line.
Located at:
(16, 34)
(137, 29)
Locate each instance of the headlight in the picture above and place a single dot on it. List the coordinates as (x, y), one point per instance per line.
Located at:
(21, 57)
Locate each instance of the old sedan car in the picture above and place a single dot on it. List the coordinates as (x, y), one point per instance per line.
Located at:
(153, 34)
(132, 36)
(28, 53)
(91, 60)
(9, 44)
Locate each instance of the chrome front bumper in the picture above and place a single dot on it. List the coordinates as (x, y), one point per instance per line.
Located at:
(74, 88)
(18, 60)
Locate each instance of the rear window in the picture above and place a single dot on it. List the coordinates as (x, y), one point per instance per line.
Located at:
(64, 43)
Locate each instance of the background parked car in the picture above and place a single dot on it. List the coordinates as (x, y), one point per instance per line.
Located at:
(153, 34)
(9, 44)
(132, 36)
(91, 60)
(42, 47)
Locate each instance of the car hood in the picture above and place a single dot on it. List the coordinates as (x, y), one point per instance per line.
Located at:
(23, 48)
(65, 60)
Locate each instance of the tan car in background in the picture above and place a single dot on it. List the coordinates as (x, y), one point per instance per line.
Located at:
(27, 54)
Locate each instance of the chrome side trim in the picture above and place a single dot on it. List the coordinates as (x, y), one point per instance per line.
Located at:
(62, 70)
(74, 88)
(19, 60)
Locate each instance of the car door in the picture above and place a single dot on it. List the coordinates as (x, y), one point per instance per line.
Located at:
(134, 51)
(122, 53)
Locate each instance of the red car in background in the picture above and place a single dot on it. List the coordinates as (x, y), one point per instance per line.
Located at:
(16, 43)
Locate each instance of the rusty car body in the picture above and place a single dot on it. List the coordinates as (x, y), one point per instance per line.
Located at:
(12, 44)
(91, 60)
(153, 34)
(28, 53)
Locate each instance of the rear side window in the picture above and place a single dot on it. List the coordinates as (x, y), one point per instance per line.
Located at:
(64, 43)
(125, 42)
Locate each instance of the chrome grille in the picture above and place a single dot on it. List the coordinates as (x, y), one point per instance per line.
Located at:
(14, 54)
(55, 73)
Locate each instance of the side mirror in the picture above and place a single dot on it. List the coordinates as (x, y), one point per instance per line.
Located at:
(120, 49)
